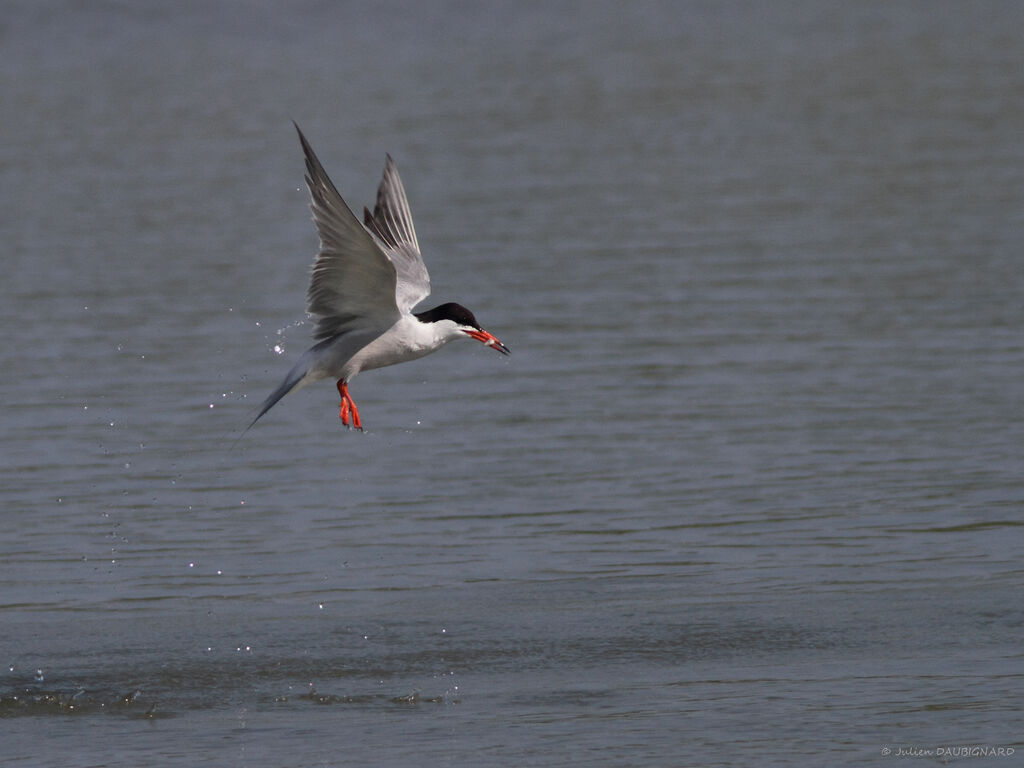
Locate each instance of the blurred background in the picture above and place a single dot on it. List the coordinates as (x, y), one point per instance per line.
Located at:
(748, 490)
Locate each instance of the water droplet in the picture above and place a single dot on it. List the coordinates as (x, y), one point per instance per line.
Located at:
(39, 676)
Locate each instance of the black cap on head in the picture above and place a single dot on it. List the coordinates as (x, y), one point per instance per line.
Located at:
(450, 311)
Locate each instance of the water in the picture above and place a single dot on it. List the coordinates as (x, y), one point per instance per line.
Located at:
(748, 490)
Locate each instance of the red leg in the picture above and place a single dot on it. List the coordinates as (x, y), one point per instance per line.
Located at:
(343, 405)
(346, 406)
(355, 415)
(343, 412)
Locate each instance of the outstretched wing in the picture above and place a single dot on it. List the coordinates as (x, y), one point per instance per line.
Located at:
(391, 222)
(354, 281)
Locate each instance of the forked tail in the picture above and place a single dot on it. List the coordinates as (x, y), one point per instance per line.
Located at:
(297, 377)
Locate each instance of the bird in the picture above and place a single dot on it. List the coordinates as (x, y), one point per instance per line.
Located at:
(367, 278)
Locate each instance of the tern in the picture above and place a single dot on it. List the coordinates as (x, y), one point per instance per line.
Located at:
(367, 278)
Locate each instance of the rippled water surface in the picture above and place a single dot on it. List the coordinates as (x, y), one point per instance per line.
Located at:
(748, 491)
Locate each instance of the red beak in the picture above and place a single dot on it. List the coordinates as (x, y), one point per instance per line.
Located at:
(485, 338)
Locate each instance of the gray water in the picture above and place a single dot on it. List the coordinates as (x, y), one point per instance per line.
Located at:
(748, 490)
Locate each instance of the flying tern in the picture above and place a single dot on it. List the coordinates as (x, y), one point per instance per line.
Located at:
(367, 278)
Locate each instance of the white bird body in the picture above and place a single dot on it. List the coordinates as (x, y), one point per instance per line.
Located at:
(342, 357)
(367, 277)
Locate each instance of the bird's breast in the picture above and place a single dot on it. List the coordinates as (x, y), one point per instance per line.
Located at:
(404, 341)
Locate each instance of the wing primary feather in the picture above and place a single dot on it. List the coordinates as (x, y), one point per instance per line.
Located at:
(353, 282)
(391, 215)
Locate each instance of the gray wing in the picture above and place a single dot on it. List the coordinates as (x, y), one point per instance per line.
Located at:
(354, 281)
(391, 222)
